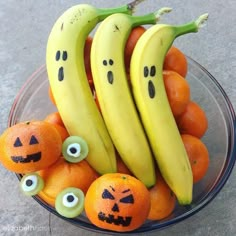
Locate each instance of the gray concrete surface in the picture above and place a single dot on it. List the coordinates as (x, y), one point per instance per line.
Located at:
(24, 28)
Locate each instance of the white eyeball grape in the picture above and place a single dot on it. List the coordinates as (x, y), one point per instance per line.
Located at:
(31, 184)
(70, 202)
(75, 149)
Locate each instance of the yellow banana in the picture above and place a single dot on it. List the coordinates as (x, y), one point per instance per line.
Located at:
(68, 81)
(152, 102)
(114, 95)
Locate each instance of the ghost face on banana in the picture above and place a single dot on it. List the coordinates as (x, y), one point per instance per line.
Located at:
(114, 95)
(152, 102)
(68, 81)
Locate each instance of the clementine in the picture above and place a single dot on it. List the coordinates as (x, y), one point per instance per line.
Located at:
(121, 167)
(134, 36)
(55, 119)
(117, 202)
(193, 120)
(178, 91)
(198, 156)
(30, 146)
(176, 60)
(63, 175)
(163, 199)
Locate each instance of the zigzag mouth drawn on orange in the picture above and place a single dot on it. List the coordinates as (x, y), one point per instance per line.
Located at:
(116, 220)
(31, 157)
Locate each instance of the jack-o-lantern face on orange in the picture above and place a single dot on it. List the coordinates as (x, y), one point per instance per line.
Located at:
(30, 146)
(34, 156)
(119, 203)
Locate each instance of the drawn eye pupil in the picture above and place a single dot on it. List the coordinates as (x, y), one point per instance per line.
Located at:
(29, 182)
(145, 71)
(64, 56)
(58, 55)
(153, 71)
(70, 198)
(111, 62)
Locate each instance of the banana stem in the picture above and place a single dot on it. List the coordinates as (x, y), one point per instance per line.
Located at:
(133, 4)
(151, 18)
(105, 12)
(191, 27)
(128, 9)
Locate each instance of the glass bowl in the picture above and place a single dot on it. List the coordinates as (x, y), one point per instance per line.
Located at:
(33, 102)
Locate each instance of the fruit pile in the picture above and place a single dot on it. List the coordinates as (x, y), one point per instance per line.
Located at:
(125, 144)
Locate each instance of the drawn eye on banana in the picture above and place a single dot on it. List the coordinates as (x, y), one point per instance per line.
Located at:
(152, 102)
(114, 95)
(69, 84)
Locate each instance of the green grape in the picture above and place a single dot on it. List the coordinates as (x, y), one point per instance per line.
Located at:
(74, 149)
(31, 184)
(70, 202)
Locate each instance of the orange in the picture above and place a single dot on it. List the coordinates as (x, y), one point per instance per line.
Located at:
(121, 167)
(30, 146)
(55, 119)
(135, 34)
(193, 120)
(62, 131)
(175, 60)
(62, 175)
(92, 87)
(51, 96)
(198, 156)
(90, 81)
(96, 100)
(87, 50)
(163, 199)
(178, 91)
(117, 202)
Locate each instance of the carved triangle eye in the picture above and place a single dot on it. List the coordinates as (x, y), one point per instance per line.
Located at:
(17, 143)
(33, 140)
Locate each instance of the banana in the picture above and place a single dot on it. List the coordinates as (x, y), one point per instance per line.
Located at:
(68, 81)
(114, 95)
(152, 102)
